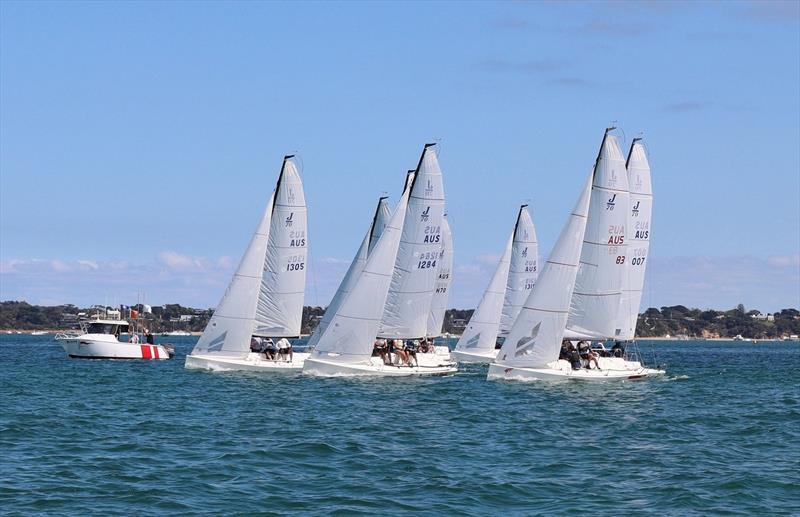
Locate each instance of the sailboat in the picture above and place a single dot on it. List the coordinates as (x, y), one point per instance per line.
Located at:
(265, 296)
(508, 289)
(568, 299)
(376, 227)
(392, 296)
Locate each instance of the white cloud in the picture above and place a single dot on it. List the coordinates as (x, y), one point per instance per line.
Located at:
(175, 260)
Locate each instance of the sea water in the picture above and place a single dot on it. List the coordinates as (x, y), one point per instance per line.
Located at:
(720, 433)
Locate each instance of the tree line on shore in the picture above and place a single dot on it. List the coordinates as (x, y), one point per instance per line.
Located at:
(676, 320)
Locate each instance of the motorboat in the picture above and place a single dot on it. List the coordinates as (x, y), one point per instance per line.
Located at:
(99, 338)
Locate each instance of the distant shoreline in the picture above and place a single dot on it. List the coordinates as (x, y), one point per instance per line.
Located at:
(12, 332)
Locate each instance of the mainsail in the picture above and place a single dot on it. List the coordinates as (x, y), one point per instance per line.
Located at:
(443, 280)
(637, 236)
(351, 332)
(405, 314)
(483, 327)
(280, 301)
(595, 302)
(523, 270)
(376, 227)
(535, 338)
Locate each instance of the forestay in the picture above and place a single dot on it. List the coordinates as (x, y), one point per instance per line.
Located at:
(408, 303)
(350, 335)
(595, 302)
(379, 220)
(638, 238)
(442, 290)
(483, 327)
(535, 338)
(523, 270)
(230, 327)
(280, 301)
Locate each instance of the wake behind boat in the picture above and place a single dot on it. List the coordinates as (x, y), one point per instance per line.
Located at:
(265, 297)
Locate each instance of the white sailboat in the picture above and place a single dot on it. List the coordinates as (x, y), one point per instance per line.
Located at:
(531, 351)
(265, 296)
(505, 295)
(638, 237)
(392, 296)
(379, 221)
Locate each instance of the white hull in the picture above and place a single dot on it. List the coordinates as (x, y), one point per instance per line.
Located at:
(478, 358)
(612, 369)
(100, 346)
(375, 368)
(252, 362)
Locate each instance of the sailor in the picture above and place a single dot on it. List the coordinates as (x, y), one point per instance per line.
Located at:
(149, 338)
(381, 350)
(134, 338)
(269, 349)
(285, 349)
(564, 353)
(411, 351)
(618, 350)
(399, 352)
(574, 357)
(588, 355)
(255, 344)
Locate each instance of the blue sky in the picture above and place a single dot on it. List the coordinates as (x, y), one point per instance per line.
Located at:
(139, 141)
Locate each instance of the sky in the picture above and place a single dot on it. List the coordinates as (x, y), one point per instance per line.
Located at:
(139, 142)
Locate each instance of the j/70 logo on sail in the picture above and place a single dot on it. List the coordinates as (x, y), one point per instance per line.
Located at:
(611, 202)
(429, 189)
(289, 219)
(635, 209)
(426, 214)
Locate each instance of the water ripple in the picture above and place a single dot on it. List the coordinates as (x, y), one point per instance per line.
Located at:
(719, 434)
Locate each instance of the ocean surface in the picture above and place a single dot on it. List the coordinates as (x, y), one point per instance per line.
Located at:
(719, 435)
